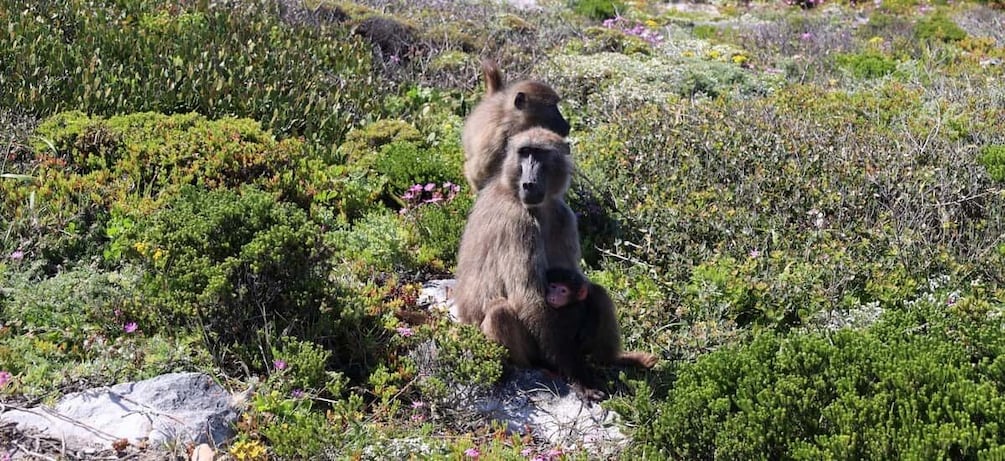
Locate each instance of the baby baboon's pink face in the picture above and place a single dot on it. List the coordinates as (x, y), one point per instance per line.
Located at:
(559, 295)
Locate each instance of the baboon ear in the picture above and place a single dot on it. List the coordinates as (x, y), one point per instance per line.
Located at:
(520, 101)
(583, 291)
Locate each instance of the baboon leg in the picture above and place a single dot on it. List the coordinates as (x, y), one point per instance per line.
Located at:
(636, 359)
(502, 325)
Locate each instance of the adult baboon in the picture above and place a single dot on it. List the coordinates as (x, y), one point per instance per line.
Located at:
(503, 112)
(518, 228)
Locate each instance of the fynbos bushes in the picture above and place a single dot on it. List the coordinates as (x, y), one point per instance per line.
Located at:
(131, 56)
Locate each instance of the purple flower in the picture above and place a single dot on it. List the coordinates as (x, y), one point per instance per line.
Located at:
(5, 377)
(755, 253)
(404, 331)
(472, 453)
(408, 195)
(280, 364)
(429, 187)
(416, 188)
(806, 36)
(297, 393)
(418, 404)
(526, 452)
(129, 327)
(17, 255)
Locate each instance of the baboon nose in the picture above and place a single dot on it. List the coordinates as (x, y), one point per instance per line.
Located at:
(528, 186)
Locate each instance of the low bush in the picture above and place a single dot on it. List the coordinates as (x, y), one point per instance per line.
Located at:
(597, 9)
(234, 263)
(82, 166)
(79, 328)
(993, 159)
(111, 58)
(939, 27)
(867, 65)
(923, 383)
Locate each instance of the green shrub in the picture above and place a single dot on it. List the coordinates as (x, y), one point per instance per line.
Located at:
(897, 392)
(235, 261)
(80, 326)
(439, 227)
(84, 166)
(869, 64)
(405, 164)
(118, 57)
(938, 27)
(377, 242)
(993, 159)
(146, 153)
(724, 182)
(597, 9)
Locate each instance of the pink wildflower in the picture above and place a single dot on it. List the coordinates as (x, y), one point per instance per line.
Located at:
(472, 453)
(404, 331)
(129, 327)
(17, 255)
(5, 377)
(280, 364)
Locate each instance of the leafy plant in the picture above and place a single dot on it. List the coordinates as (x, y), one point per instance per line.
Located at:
(993, 159)
(823, 396)
(869, 64)
(939, 27)
(597, 9)
(120, 57)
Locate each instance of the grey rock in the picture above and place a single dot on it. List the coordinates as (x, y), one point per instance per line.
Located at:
(165, 410)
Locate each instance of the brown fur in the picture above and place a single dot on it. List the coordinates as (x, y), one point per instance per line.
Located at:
(503, 112)
(519, 227)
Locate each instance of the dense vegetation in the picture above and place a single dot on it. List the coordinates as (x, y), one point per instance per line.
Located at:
(798, 205)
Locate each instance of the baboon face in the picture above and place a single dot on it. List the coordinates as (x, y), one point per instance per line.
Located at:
(565, 287)
(538, 166)
(539, 104)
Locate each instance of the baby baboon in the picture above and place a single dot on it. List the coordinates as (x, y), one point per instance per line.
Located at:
(519, 227)
(587, 314)
(565, 287)
(503, 112)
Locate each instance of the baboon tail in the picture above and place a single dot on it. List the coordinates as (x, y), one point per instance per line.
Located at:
(493, 78)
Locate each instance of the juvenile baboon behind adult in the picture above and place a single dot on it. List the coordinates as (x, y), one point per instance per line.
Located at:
(503, 112)
(518, 228)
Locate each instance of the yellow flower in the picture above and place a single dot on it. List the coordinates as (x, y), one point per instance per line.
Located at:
(651, 24)
(248, 450)
(875, 40)
(739, 59)
(140, 248)
(714, 54)
(158, 254)
(688, 54)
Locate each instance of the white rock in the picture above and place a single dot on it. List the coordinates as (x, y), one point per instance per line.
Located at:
(168, 409)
